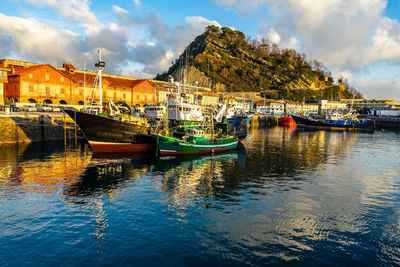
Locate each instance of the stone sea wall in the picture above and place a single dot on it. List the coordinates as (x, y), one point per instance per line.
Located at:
(26, 128)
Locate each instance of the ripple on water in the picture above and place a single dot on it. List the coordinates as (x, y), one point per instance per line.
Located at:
(288, 197)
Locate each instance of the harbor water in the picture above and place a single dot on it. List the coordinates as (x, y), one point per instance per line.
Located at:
(285, 197)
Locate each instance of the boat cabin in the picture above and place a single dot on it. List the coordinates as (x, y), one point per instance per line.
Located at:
(197, 135)
(334, 116)
(154, 112)
(184, 112)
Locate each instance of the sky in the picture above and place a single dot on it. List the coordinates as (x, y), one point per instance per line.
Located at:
(356, 39)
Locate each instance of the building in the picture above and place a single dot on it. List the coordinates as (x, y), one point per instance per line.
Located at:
(310, 109)
(273, 108)
(372, 104)
(69, 86)
(325, 105)
(301, 108)
(66, 85)
(3, 80)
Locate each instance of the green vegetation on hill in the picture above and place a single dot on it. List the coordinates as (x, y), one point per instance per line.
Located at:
(227, 61)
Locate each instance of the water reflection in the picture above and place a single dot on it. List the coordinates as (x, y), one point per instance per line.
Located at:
(107, 173)
(184, 178)
(40, 167)
(271, 155)
(286, 151)
(288, 196)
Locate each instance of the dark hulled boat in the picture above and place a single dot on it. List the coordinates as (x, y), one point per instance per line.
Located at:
(112, 135)
(339, 125)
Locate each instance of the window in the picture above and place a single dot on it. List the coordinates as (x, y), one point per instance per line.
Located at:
(124, 95)
(81, 92)
(115, 95)
(80, 84)
(145, 98)
(61, 79)
(137, 96)
(62, 91)
(31, 88)
(47, 91)
(47, 76)
(145, 87)
(30, 75)
(137, 87)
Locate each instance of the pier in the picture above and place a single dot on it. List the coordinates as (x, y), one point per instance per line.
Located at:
(26, 128)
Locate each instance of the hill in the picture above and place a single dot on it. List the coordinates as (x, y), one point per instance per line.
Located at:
(227, 61)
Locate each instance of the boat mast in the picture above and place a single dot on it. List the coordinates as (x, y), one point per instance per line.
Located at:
(84, 84)
(100, 66)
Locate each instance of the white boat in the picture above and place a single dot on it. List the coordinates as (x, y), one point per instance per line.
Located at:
(179, 108)
(154, 112)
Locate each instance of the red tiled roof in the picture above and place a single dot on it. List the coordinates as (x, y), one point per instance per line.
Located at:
(22, 71)
(79, 77)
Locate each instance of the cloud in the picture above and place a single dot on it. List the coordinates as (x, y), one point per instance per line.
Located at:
(163, 42)
(348, 36)
(131, 42)
(35, 40)
(137, 3)
(379, 88)
(49, 45)
(340, 33)
(76, 10)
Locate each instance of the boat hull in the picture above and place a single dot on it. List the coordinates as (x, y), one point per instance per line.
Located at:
(322, 125)
(168, 146)
(113, 136)
(287, 121)
(109, 147)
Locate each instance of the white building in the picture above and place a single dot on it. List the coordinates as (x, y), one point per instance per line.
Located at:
(301, 109)
(325, 105)
(272, 108)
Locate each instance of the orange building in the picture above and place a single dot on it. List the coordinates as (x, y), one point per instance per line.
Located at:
(67, 85)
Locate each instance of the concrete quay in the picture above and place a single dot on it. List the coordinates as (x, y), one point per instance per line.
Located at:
(35, 127)
(263, 121)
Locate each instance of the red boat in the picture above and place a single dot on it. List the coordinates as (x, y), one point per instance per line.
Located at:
(287, 121)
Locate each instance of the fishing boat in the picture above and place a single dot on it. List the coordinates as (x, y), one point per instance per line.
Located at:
(335, 121)
(195, 141)
(154, 113)
(114, 134)
(112, 131)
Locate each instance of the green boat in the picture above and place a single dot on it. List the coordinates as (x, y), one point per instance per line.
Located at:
(195, 141)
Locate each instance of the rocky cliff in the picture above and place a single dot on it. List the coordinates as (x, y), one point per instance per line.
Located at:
(223, 59)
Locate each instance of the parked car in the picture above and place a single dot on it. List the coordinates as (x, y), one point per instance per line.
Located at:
(29, 108)
(69, 108)
(92, 109)
(2, 107)
(47, 108)
(56, 109)
(39, 108)
(14, 108)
